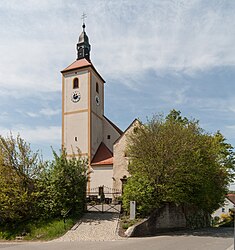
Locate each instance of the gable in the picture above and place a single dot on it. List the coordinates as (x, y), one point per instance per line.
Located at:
(135, 123)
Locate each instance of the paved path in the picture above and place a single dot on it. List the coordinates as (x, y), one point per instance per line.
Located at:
(94, 227)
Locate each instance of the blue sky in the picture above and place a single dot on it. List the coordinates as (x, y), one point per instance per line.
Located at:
(154, 56)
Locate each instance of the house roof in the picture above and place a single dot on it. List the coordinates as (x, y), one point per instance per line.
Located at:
(79, 64)
(114, 126)
(103, 156)
(231, 197)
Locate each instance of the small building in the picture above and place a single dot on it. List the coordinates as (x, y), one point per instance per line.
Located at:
(229, 203)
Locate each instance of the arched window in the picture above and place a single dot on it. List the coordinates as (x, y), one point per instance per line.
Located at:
(75, 83)
(97, 87)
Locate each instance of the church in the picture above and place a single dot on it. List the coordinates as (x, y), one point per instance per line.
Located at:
(86, 131)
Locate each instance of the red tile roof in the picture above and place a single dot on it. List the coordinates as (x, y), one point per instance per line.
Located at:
(103, 156)
(77, 64)
(231, 197)
(81, 63)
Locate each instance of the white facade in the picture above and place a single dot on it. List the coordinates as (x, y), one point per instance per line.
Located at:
(223, 209)
(103, 173)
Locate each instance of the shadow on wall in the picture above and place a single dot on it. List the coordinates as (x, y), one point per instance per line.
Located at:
(170, 218)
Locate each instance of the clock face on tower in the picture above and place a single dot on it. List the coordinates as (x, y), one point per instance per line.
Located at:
(76, 96)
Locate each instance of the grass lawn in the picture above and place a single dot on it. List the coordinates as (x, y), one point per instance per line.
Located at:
(37, 230)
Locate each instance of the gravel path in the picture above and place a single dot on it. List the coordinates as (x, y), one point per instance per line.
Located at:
(94, 227)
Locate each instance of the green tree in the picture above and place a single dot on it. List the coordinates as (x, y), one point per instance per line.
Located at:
(33, 189)
(172, 159)
(19, 167)
(63, 185)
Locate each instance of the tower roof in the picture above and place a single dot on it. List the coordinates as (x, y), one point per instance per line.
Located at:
(83, 53)
(83, 38)
(80, 64)
(83, 46)
(77, 64)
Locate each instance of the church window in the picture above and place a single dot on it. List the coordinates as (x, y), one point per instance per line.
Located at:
(75, 83)
(108, 137)
(97, 87)
(75, 138)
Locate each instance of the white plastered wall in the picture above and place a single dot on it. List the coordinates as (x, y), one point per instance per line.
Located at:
(97, 109)
(75, 117)
(70, 106)
(223, 209)
(97, 112)
(101, 176)
(76, 125)
(112, 132)
(97, 133)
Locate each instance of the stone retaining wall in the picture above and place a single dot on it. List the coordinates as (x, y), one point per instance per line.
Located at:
(170, 217)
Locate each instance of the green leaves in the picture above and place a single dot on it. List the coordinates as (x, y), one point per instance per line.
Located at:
(63, 187)
(180, 161)
(32, 189)
(19, 167)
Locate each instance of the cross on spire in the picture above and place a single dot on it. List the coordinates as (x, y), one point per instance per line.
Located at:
(84, 16)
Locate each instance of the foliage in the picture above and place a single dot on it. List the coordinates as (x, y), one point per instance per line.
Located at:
(139, 189)
(63, 187)
(19, 167)
(172, 159)
(45, 229)
(215, 221)
(126, 222)
(35, 190)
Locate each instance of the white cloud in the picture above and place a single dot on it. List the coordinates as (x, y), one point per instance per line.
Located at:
(43, 112)
(39, 134)
(130, 40)
(38, 39)
(31, 114)
(50, 112)
(175, 96)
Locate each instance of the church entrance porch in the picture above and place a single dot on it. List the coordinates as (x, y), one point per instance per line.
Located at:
(103, 199)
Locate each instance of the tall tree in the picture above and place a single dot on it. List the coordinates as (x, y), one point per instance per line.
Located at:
(172, 159)
(63, 185)
(19, 167)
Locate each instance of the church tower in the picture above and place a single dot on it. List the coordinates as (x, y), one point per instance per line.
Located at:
(85, 129)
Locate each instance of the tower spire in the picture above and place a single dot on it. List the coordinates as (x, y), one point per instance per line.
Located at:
(83, 46)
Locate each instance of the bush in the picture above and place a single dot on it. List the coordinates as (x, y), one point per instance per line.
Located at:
(32, 189)
(172, 159)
